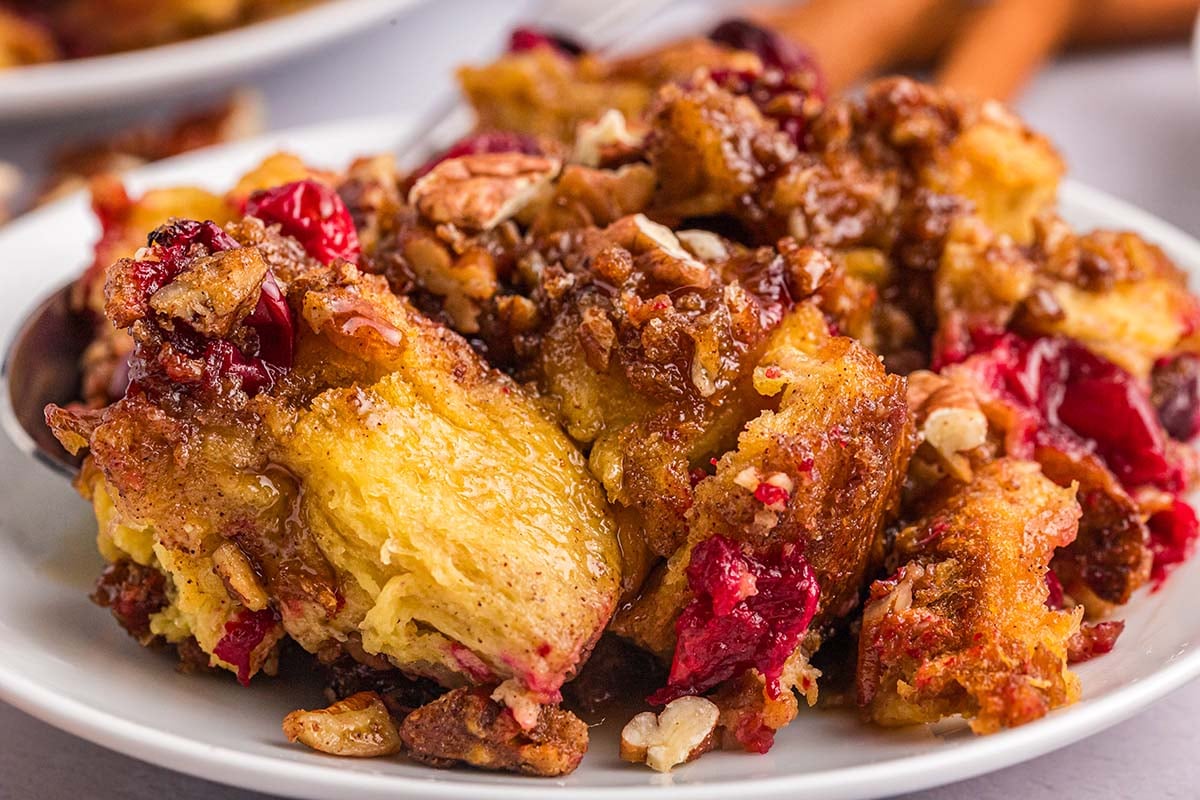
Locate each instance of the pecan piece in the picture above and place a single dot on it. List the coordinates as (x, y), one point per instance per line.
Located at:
(682, 732)
(478, 192)
(467, 726)
(214, 293)
(359, 726)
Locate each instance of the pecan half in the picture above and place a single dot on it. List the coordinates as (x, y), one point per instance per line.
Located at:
(478, 192)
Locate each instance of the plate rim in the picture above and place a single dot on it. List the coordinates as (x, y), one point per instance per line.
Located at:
(73, 85)
(317, 780)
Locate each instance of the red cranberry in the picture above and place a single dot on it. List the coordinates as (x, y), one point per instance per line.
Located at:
(1104, 404)
(1173, 536)
(175, 239)
(133, 594)
(313, 214)
(749, 610)
(771, 495)
(1075, 400)
(242, 635)
(1175, 391)
(174, 245)
(222, 358)
(1054, 597)
(1093, 639)
(781, 96)
(486, 142)
(272, 320)
(529, 38)
(774, 50)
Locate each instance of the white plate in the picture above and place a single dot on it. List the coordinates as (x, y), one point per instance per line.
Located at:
(66, 661)
(105, 81)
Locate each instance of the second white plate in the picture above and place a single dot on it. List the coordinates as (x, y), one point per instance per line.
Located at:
(113, 80)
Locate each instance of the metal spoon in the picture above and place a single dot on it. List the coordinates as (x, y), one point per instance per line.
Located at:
(42, 365)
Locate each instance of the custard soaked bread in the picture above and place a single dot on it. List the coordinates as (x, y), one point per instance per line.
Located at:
(307, 489)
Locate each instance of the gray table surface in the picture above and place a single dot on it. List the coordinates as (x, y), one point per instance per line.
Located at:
(1127, 122)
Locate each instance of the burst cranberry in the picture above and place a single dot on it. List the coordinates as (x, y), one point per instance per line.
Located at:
(133, 594)
(771, 495)
(1093, 639)
(486, 142)
(1104, 404)
(529, 38)
(1054, 591)
(1173, 536)
(242, 636)
(272, 320)
(725, 574)
(1071, 400)
(222, 358)
(174, 245)
(313, 214)
(781, 96)
(777, 52)
(175, 240)
(749, 610)
(1175, 391)
(1074, 399)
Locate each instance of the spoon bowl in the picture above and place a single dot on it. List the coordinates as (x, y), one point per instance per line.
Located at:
(42, 366)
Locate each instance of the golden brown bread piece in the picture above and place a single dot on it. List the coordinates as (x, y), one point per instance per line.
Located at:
(840, 434)
(1112, 291)
(549, 93)
(362, 490)
(962, 625)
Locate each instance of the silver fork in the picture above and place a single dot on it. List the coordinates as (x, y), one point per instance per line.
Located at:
(447, 118)
(42, 362)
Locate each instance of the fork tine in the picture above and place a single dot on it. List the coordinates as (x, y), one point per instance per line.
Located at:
(447, 116)
(597, 22)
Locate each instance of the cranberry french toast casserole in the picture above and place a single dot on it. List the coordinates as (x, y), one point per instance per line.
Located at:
(676, 384)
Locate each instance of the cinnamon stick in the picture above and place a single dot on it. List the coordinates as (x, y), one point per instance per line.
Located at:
(847, 33)
(1002, 44)
(1107, 22)
(851, 38)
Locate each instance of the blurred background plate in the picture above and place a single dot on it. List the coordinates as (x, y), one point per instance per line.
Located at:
(114, 80)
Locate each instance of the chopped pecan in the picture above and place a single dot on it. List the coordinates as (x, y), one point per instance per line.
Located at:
(235, 571)
(607, 137)
(682, 732)
(478, 192)
(949, 419)
(665, 259)
(467, 726)
(358, 726)
(214, 293)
